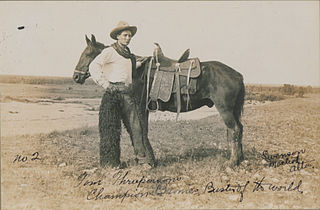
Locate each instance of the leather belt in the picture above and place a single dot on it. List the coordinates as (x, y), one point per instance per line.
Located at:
(120, 86)
(117, 83)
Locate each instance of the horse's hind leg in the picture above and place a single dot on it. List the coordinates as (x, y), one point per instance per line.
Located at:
(234, 133)
(238, 140)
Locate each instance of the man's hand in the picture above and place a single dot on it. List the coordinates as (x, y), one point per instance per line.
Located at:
(140, 61)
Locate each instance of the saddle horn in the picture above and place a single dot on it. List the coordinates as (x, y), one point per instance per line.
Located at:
(157, 51)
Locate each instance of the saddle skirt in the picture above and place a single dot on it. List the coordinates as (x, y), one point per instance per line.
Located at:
(164, 80)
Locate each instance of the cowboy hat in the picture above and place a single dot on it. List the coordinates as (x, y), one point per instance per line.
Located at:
(122, 25)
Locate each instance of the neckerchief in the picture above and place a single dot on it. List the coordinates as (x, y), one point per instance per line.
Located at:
(125, 52)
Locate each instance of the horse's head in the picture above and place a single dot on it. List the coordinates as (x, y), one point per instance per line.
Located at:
(93, 49)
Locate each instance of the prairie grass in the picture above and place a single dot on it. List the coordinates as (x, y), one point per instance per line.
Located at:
(195, 150)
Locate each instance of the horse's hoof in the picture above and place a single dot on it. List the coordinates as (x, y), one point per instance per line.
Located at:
(230, 164)
(153, 164)
(145, 166)
(123, 165)
(233, 163)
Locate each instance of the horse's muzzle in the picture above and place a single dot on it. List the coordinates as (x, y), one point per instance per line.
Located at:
(80, 77)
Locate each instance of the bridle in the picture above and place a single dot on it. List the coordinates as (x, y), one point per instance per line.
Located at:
(77, 78)
(87, 73)
(80, 72)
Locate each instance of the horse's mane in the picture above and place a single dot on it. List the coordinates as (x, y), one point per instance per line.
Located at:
(101, 45)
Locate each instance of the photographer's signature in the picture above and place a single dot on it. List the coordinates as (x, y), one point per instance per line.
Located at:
(293, 159)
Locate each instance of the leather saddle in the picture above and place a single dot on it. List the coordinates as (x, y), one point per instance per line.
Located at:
(164, 79)
(173, 76)
(169, 65)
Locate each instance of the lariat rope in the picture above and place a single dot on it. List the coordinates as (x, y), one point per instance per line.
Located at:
(177, 75)
(188, 81)
(148, 81)
(154, 79)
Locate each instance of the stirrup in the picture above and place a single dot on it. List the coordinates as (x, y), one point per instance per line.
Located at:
(157, 107)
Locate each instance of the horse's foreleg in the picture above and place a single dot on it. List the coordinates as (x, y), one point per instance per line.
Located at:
(133, 125)
(149, 151)
(137, 126)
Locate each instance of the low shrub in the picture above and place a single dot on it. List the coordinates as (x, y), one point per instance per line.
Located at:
(264, 96)
(267, 96)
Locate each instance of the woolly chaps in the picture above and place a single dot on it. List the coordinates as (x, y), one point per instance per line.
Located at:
(110, 128)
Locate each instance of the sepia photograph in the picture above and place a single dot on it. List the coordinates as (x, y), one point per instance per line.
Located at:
(160, 104)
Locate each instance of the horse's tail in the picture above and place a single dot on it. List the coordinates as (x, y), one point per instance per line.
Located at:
(238, 111)
(110, 129)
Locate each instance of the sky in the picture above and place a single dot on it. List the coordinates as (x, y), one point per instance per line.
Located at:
(268, 42)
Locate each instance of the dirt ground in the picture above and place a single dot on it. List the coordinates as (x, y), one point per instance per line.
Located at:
(50, 159)
(45, 115)
(27, 109)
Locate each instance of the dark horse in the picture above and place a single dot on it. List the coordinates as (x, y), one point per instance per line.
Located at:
(218, 85)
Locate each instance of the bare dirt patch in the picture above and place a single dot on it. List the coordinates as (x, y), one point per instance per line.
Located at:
(45, 116)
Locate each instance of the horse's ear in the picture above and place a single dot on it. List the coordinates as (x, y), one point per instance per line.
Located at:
(93, 39)
(88, 40)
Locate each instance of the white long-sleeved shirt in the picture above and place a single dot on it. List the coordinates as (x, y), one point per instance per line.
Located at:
(109, 66)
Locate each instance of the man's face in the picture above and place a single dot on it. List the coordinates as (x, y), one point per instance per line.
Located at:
(124, 37)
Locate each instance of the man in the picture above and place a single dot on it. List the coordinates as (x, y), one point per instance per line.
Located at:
(112, 70)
